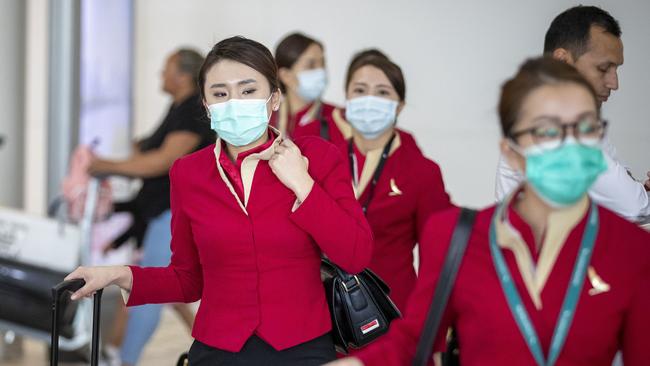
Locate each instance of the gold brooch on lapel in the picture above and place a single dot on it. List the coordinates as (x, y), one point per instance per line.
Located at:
(598, 285)
(394, 190)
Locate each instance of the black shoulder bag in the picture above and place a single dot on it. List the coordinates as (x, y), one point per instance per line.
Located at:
(445, 284)
(360, 307)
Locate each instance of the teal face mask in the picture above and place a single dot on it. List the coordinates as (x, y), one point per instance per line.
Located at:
(563, 175)
(240, 121)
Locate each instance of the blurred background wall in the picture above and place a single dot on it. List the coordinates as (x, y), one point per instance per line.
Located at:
(455, 55)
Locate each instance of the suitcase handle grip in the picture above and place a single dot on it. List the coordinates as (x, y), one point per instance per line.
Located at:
(70, 285)
(58, 291)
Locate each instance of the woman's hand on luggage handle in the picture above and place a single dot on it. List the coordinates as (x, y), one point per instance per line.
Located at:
(348, 361)
(99, 277)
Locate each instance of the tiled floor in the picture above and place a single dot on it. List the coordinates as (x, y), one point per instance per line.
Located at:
(169, 341)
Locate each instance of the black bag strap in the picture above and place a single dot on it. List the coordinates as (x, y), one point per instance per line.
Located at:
(445, 284)
(324, 127)
(349, 281)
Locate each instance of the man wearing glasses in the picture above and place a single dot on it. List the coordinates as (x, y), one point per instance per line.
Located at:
(589, 39)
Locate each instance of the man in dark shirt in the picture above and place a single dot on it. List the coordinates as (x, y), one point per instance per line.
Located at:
(184, 129)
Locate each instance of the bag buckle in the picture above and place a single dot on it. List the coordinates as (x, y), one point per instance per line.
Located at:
(353, 286)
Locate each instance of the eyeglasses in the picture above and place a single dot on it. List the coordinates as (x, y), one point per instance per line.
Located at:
(550, 132)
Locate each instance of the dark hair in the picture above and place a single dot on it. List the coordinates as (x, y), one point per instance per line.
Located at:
(376, 58)
(189, 61)
(571, 29)
(368, 53)
(245, 51)
(289, 50)
(535, 73)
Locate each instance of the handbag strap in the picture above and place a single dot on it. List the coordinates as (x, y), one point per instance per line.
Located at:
(349, 281)
(445, 284)
(324, 127)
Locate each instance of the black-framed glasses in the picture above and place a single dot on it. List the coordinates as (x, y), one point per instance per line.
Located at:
(550, 132)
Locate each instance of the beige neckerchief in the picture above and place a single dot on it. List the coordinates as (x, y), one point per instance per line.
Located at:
(283, 115)
(372, 160)
(343, 125)
(248, 166)
(559, 226)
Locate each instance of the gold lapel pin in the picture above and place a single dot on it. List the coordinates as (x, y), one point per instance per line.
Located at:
(394, 190)
(598, 285)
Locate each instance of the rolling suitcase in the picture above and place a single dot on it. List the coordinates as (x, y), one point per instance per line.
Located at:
(25, 294)
(61, 294)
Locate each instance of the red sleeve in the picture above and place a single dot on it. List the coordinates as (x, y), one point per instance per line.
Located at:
(637, 318)
(331, 214)
(399, 345)
(181, 280)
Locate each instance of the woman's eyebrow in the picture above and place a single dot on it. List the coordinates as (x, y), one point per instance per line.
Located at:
(242, 82)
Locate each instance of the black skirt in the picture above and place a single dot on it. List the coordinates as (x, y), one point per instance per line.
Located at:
(257, 352)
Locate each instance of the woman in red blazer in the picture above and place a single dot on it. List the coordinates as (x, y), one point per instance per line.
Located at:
(303, 79)
(549, 277)
(251, 217)
(399, 191)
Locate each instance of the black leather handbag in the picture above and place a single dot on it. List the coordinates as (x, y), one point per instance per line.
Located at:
(26, 296)
(359, 304)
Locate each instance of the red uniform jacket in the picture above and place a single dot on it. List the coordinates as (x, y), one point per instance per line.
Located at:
(605, 321)
(306, 122)
(255, 265)
(409, 189)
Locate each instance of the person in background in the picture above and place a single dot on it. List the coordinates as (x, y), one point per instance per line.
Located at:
(589, 39)
(252, 216)
(397, 186)
(303, 79)
(183, 130)
(549, 277)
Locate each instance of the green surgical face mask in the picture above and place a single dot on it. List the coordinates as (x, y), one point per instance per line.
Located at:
(240, 121)
(563, 175)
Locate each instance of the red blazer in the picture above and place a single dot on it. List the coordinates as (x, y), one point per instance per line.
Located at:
(488, 335)
(338, 130)
(409, 190)
(306, 122)
(256, 271)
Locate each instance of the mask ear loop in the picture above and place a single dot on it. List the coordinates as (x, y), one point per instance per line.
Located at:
(268, 118)
(395, 118)
(207, 109)
(516, 148)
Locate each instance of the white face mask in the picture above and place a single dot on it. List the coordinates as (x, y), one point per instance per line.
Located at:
(371, 116)
(311, 84)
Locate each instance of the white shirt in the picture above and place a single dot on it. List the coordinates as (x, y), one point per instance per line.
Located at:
(615, 189)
